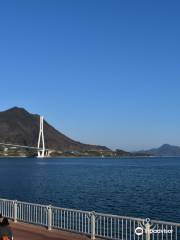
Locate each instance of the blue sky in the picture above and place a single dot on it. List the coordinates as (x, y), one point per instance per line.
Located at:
(102, 72)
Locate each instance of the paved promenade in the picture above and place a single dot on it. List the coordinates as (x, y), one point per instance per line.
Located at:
(24, 231)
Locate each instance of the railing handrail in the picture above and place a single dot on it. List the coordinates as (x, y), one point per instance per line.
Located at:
(32, 204)
(71, 209)
(7, 200)
(119, 216)
(165, 222)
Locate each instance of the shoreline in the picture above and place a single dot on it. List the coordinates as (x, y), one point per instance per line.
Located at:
(87, 157)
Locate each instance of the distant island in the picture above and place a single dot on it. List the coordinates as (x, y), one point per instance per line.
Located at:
(18, 126)
(165, 150)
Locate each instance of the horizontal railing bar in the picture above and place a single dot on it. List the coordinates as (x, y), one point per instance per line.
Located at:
(165, 223)
(7, 200)
(33, 204)
(120, 217)
(70, 210)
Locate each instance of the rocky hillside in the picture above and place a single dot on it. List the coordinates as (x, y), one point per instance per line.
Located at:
(18, 126)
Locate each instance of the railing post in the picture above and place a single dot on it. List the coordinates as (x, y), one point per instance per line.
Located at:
(93, 225)
(148, 229)
(15, 210)
(49, 208)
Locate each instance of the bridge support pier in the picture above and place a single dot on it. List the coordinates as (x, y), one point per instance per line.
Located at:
(41, 153)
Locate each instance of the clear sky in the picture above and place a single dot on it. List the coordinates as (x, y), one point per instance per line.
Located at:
(102, 72)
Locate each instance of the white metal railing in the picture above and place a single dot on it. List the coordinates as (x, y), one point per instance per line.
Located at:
(71, 220)
(32, 213)
(94, 224)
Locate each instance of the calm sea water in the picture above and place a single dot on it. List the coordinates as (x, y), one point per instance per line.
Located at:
(141, 187)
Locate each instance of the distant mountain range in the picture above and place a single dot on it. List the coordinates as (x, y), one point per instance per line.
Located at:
(18, 126)
(164, 150)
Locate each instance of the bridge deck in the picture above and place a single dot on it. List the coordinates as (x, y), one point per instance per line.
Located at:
(24, 231)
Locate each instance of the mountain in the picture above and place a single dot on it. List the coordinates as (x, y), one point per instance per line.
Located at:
(18, 126)
(164, 150)
(122, 153)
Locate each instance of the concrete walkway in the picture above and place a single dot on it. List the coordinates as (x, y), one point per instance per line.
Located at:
(24, 231)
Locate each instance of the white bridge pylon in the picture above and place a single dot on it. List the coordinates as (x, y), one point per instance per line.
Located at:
(41, 144)
(41, 150)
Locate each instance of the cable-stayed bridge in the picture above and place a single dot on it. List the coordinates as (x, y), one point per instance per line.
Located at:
(41, 150)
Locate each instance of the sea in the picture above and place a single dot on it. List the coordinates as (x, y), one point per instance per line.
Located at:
(137, 187)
